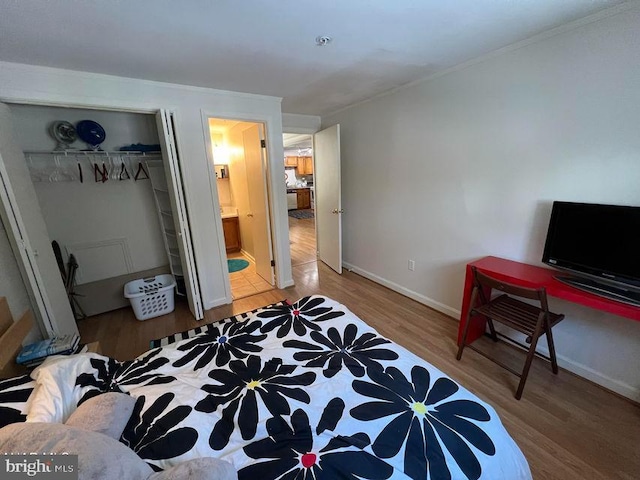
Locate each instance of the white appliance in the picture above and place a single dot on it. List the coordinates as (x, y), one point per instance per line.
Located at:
(290, 177)
(292, 200)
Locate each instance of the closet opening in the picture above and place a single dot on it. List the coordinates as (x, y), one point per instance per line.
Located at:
(239, 160)
(109, 204)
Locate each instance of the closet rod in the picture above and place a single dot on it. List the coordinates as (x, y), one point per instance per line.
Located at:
(90, 152)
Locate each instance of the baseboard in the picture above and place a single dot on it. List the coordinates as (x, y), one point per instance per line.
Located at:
(418, 297)
(246, 254)
(621, 388)
(286, 283)
(216, 303)
(106, 295)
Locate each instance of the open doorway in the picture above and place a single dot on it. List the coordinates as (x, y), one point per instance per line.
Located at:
(299, 170)
(241, 171)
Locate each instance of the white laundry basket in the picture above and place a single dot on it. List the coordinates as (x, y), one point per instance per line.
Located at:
(151, 297)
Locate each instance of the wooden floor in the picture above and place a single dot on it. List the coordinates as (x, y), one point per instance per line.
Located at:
(567, 427)
(302, 240)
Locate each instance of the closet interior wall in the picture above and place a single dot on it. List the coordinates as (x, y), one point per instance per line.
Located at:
(112, 227)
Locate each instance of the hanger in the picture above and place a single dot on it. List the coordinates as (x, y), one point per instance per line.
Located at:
(124, 171)
(104, 173)
(141, 169)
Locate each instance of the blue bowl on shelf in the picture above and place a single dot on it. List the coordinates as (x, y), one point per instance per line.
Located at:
(91, 133)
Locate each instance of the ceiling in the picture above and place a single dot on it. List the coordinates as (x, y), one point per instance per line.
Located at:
(296, 140)
(296, 144)
(268, 47)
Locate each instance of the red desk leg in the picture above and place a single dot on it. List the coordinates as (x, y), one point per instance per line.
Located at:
(478, 322)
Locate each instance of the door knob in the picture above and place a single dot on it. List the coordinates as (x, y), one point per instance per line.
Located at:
(249, 214)
(336, 211)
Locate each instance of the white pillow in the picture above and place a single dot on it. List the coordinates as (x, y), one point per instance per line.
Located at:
(56, 394)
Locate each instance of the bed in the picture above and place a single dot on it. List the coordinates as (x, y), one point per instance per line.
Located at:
(290, 391)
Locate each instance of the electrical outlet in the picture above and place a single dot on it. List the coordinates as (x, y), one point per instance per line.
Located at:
(412, 265)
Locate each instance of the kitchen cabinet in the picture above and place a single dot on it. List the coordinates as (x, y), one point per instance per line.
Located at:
(305, 166)
(304, 198)
(231, 228)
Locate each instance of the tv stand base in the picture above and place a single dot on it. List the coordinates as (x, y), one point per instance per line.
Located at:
(619, 294)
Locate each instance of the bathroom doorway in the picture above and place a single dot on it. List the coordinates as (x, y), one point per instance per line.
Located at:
(241, 170)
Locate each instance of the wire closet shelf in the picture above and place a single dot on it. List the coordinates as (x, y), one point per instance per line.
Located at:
(84, 165)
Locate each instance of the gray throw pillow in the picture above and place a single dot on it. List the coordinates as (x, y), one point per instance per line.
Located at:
(107, 413)
(99, 457)
(199, 469)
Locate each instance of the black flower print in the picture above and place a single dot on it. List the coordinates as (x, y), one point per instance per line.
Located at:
(424, 422)
(14, 393)
(239, 388)
(101, 379)
(354, 352)
(231, 338)
(300, 316)
(140, 371)
(290, 452)
(150, 434)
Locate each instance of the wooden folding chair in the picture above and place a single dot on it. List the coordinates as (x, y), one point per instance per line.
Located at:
(531, 320)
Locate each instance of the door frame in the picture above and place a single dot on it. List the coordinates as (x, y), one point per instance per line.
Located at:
(24, 256)
(275, 202)
(41, 292)
(311, 132)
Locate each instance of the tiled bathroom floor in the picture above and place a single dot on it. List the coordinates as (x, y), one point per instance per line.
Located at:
(247, 282)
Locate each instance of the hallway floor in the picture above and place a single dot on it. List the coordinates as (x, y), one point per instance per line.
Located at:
(302, 240)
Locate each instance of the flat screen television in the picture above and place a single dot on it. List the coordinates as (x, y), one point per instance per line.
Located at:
(599, 245)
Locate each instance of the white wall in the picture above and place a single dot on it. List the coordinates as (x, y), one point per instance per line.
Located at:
(30, 84)
(297, 123)
(467, 164)
(90, 214)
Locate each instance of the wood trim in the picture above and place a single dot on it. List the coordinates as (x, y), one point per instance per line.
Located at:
(5, 315)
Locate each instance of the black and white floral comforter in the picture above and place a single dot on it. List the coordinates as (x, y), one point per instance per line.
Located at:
(306, 391)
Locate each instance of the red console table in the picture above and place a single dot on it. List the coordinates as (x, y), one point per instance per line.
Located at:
(532, 277)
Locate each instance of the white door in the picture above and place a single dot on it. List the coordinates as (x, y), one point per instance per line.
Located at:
(255, 163)
(29, 237)
(166, 129)
(328, 201)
